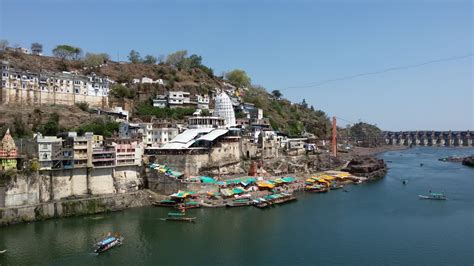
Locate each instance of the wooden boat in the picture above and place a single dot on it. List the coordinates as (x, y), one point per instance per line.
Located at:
(433, 196)
(192, 205)
(239, 203)
(334, 187)
(318, 190)
(107, 244)
(261, 203)
(165, 203)
(178, 217)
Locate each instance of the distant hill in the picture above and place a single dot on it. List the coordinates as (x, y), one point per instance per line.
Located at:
(294, 119)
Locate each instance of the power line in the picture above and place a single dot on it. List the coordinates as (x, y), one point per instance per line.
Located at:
(319, 83)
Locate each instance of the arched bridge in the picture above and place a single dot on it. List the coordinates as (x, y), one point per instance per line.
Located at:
(430, 138)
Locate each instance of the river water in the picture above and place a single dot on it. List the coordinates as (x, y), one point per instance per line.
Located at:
(378, 223)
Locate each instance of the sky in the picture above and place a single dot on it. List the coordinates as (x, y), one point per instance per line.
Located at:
(283, 44)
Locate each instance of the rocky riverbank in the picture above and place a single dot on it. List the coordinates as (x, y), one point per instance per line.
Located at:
(366, 166)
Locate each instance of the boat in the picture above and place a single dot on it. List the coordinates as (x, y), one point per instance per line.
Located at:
(316, 189)
(3, 251)
(405, 182)
(165, 203)
(178, 217)
(239, 203)
(192, 205)
(261, 203)
(335, 186)
(107, 243)
(433, 196)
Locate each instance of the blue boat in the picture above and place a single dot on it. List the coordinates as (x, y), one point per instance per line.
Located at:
(107, 243)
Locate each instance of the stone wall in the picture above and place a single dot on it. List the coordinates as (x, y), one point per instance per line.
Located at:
(76, 207)
(79, 182)
(32, 97)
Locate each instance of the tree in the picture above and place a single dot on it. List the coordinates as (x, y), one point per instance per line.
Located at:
(134, 57)
(277, 94)
(194, 61)
(120, 91)
(95, 60)
(238, 77)
(177, 58)
(36, 48)
(150, 60)
(304, 104)
(65, 51)
(3, 45)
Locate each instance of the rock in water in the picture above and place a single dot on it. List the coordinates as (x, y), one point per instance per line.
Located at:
(369, 167)
(468, 161)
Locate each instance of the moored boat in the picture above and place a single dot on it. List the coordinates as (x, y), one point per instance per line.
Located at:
(433, 196)
(335, 186)
(239, 203)
(108, 243)
(165, 203)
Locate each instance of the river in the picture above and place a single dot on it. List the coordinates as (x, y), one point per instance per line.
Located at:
(382, 222)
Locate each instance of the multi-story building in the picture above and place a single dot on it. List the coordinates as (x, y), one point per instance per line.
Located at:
(152, 134)
(160, 101)
(82, 149)
(103, 156)
(178, 98)
(128, 151)
(202, 101)
(66, 88)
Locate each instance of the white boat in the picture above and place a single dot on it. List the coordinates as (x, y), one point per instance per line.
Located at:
(433, 196)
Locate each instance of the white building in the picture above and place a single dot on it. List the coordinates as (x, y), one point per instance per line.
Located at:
(45, 150)
(223, 108)
(160, 101)
(202, 101)
(178, 98)
(196, 122)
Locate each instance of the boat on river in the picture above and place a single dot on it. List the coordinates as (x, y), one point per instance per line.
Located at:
(433, 196)
(3, 251)
(108, 243)
(336, 186)
(178, 217)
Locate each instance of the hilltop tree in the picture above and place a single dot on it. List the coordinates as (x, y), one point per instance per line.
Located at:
(238, 77)
(177, 58)
(150, 60)
(95, 60)
(3, 45)
(121, 92)
(36, 48)
(277, 94)
(134, 57)
(304, 104)
(65, 51)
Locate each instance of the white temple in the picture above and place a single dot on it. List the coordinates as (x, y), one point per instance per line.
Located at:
(223, 108)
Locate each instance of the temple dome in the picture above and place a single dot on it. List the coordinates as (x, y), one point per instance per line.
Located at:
(223, 108)
(8, 144)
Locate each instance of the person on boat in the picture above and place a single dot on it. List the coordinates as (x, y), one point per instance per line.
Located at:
(181, 208)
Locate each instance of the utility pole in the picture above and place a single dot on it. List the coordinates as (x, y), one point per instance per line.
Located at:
(334, 137)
